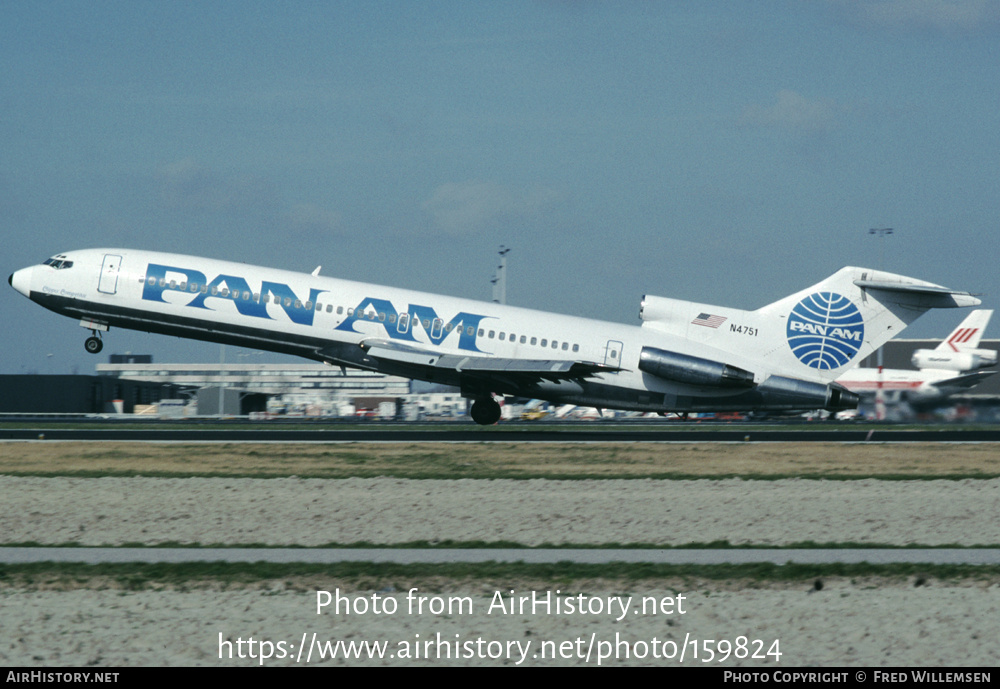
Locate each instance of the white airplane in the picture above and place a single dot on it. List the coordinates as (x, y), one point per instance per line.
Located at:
(952, 367)
(685, 357)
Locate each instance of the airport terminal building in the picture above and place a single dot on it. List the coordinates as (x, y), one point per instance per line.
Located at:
(133, 384)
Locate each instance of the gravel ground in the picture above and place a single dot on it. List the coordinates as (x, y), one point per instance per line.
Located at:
(113, 511)
(844, 623)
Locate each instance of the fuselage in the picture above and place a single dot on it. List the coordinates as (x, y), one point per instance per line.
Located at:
(335, 321)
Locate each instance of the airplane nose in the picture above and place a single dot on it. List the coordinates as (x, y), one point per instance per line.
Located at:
(21, 281)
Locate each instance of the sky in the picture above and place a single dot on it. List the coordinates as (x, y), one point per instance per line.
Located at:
(729, 153)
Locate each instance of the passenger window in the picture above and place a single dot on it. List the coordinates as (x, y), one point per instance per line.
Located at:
(392, 318)
(576, 348)
(534, 341)
(193, 287)
(183, 286)
(555, 345)
(482, 331)
(470, 330)
(308, 305)
(545, 343)
(340, 310)
(288, 302)
(381, 316)
(523, 338)
(329, 308)
(501, 336)
(565, 346)
(492, 333)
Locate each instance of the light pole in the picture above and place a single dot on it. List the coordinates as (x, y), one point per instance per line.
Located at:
(500, 278)
(881, 233)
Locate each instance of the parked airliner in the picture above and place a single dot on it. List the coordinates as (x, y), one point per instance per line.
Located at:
(952, 367)
(685, 357)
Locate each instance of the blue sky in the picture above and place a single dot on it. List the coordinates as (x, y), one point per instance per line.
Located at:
(725, 152)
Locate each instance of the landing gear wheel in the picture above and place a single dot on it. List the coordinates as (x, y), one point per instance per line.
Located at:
(93, 345)
(485, 411)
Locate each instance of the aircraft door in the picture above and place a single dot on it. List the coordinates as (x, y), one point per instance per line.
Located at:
(613, 354)
(109, 274)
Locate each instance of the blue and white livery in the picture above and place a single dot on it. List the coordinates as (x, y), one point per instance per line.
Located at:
(684, 357)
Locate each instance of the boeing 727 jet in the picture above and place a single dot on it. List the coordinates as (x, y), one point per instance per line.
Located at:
(684, 357)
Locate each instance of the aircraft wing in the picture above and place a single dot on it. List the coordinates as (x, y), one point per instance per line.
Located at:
(520, 370)
(494, 373)
(965, 381)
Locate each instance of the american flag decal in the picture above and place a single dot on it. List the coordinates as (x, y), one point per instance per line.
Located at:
(709, 320)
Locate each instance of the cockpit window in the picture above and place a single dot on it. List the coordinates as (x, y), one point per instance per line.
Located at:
(59, 263)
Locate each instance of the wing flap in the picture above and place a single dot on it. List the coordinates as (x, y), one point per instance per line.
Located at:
(528, 369)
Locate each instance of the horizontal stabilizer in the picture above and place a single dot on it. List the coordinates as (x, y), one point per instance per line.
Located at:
(969, 380)
(925, 295)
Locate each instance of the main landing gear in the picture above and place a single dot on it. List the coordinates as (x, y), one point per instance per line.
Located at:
(485, 411)
(94, 344)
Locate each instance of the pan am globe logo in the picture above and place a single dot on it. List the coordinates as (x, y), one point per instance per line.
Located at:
(825, 330)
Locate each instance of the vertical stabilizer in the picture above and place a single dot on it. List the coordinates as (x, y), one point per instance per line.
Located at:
(968, 334)
(824, 329)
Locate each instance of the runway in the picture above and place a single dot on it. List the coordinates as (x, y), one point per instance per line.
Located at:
(569, 433)
(409, 556)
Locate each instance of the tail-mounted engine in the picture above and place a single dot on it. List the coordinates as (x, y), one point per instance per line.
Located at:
(954, 361)
(693, 370)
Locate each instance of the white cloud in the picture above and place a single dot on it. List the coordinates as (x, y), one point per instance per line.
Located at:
(941, 15)
(308, 218)
(459, 208)
(189, 186)
(792, 112)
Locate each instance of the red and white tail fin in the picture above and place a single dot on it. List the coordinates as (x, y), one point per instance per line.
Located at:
(967, 335)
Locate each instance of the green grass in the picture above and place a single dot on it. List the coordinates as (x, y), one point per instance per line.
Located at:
(500, 545)
(387, 576)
